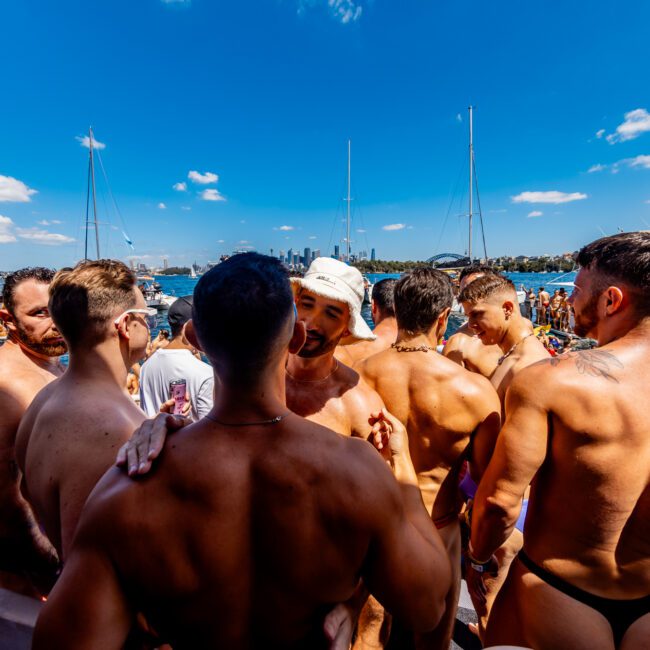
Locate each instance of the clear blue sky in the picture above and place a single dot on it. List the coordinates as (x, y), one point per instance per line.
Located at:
(264, 94)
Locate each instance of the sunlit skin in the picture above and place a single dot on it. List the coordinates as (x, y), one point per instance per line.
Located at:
(575, 428)
(61, 462)
(466, 349)
(29, 360)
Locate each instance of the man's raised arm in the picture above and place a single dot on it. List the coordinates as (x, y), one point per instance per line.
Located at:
(520, 452)
(407, 567)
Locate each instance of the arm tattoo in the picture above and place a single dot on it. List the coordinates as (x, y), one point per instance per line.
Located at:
(597, 363)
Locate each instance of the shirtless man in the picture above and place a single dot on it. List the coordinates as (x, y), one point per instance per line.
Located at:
(255, 519)
(491, 305)
(576, 428)
(443, 407)
(464, 347)
(29, 360)
(543, 302)
(492, 309)
(70, 434)
(383, 315)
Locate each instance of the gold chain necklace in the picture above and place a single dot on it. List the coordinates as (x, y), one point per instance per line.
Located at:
(512, 349)
(313, 381)
(413, 348)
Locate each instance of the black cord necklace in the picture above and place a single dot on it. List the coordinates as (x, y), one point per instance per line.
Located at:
(275, 420)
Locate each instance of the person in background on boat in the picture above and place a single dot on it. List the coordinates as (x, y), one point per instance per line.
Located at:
(575, 429)
(383, 315)
(543, 302)
(493, 313)
(531, 298)
(564, 311)
(177, 361)
(464, 347)
(554, 309)
(446, 410)
(29, 360)
(71, 432)
(524, 305)
(286, 514)
(161, 341)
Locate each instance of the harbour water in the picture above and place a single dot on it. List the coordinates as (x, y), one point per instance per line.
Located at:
(182, 285)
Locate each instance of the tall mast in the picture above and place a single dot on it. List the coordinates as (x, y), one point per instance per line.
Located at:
(347, 239)
(92, 180)
(471, 181)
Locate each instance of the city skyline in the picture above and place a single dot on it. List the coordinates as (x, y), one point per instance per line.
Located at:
(225, 126)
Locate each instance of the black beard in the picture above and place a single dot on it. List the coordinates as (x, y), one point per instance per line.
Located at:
(587, 320)
(44, 346)
(323, 347)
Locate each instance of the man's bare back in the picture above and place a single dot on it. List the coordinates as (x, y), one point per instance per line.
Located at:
(67, 440)
(593, 452)
(465, 349)
(442, 406)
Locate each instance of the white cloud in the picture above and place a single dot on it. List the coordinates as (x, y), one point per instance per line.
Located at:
(221, 241)
(638, 161)
(244, 241)
(13, 190)
(361, 230)
(502, 210)
(314, 236)
(345, 11)
(203, 179)
(186, 208)
(6, 228)
(394, 226)
(548, 197)
(459, 117)
(177, 2)
(286, 228)
(180, 187)
(648, 201)
(596, 168)
(636, 123)
(600, 133)
(56, 221)
(39, 236)
(162, 206)
(211, 195)
(84, 141)
(534, 213)
(43, 222)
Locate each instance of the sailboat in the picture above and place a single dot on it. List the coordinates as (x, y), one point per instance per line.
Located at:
(151, 290)
(192, 272)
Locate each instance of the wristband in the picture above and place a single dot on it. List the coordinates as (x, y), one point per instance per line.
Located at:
(477, 565)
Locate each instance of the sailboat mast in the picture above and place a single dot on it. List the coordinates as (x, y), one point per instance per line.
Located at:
(92, 180)
(471, 181)
(347, 239)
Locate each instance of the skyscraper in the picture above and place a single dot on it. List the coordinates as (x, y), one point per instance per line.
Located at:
(307, 257)
(373, 257)
(337, 251)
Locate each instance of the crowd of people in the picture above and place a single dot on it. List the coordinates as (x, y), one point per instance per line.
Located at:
(329, 485)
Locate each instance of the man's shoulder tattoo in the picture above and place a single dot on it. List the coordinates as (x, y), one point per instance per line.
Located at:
(596, 363)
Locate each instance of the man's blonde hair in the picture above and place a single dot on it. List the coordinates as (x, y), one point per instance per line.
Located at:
(85, 298)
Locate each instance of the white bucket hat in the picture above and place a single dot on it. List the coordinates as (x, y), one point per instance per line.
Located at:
(332, 279)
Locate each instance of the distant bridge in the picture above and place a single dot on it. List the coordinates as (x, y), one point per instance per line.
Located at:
(449, 259)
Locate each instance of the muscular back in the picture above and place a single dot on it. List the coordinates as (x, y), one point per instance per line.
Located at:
(441, 405)
(589, 512)
(255, 533)
(67, 439)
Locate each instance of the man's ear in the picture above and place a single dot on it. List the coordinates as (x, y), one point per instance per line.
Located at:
(122, 329)
(298, 338)
(508, 308)
(7, 319)
(190, 334)
(616, 299)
